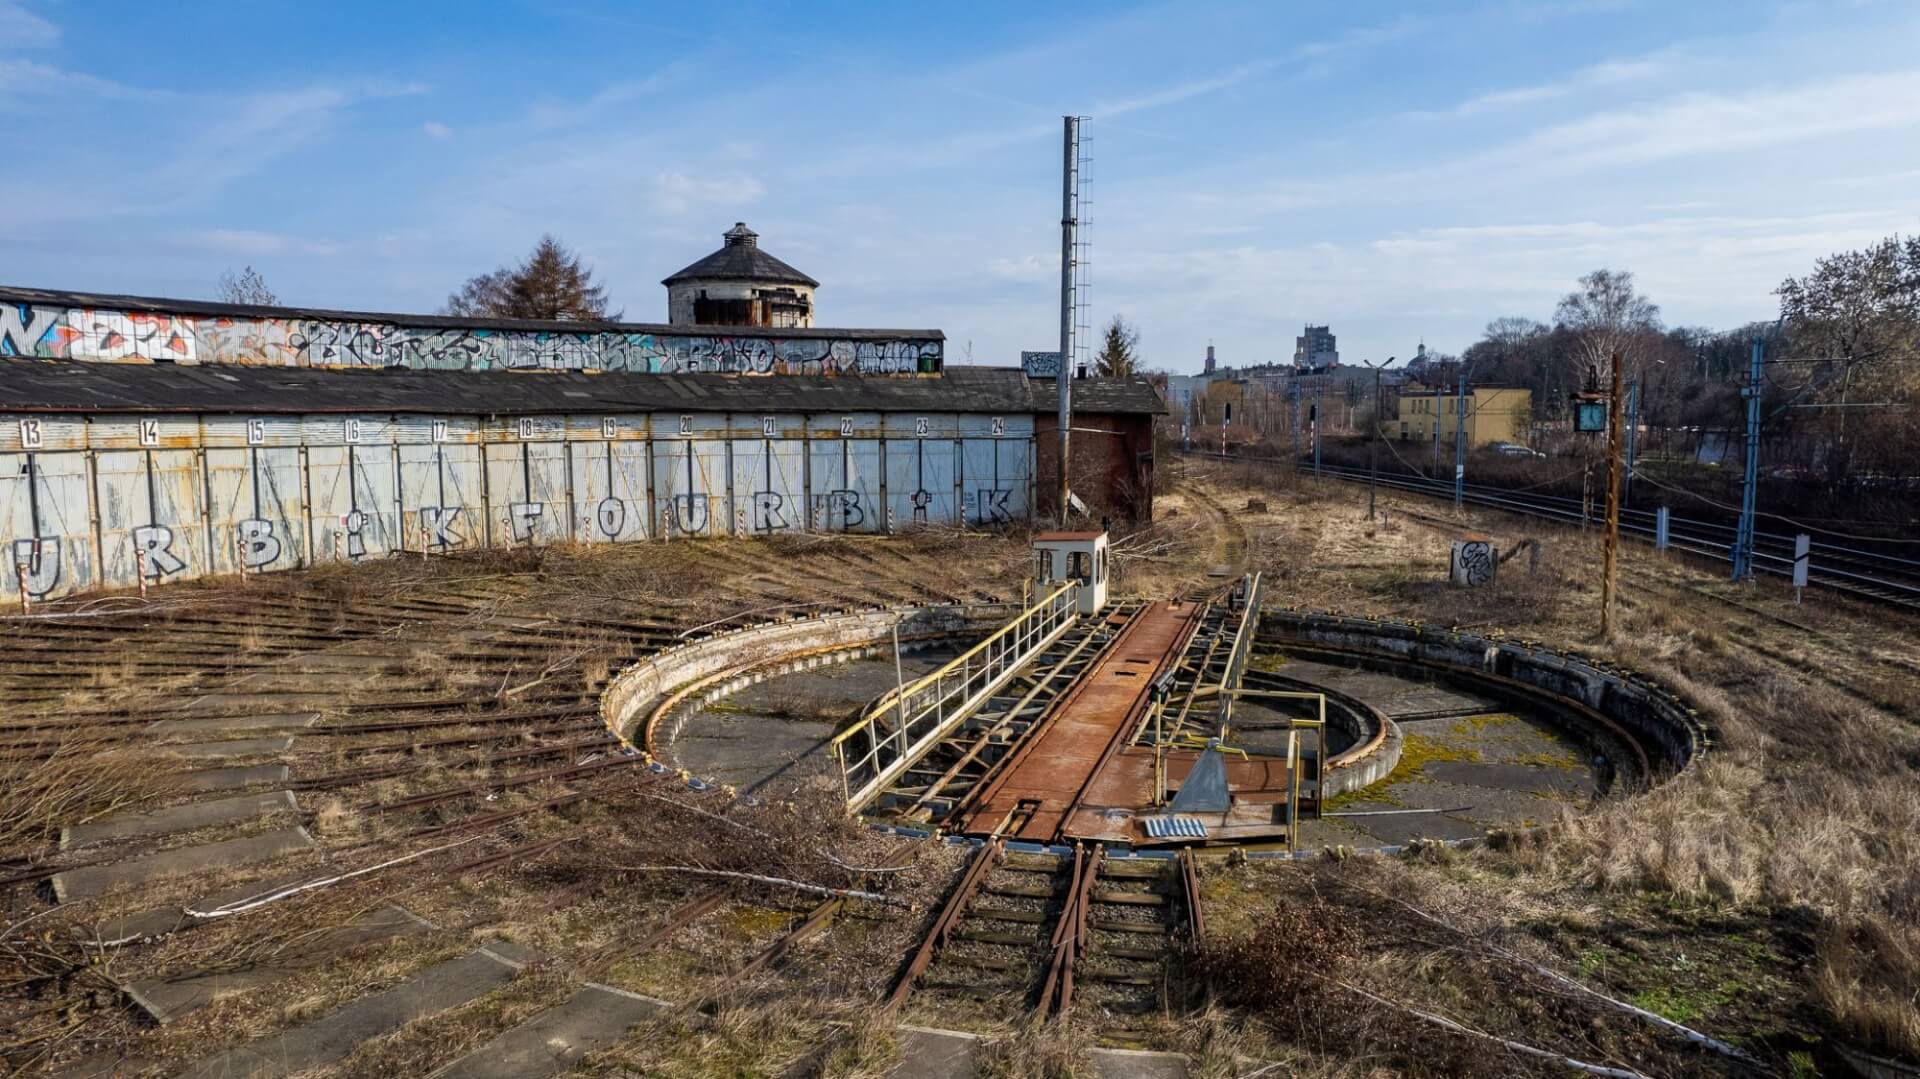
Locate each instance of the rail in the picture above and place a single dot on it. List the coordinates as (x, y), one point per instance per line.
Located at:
(1871, 575)
(909, 722)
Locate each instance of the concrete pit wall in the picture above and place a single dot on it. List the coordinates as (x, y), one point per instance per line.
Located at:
(1377, 740)
(666, 686)
(1651, 719)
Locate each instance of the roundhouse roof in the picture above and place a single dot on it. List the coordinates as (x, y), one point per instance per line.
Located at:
(741, 259)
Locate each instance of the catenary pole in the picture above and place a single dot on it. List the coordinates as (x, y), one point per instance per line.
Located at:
(1610, 562)
(1460, 440)
(1069, 163)
(1750, 481)
(1373, 450)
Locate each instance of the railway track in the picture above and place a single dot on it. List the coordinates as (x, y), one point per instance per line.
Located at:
(1052, 931)
(1875, 576)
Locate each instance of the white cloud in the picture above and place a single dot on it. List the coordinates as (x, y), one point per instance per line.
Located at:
(22, 79)
(251, 243)
(1026, 268)
(678, 192)
(1610, 73)
(434, 129)
(1696, 124)
(22, 29)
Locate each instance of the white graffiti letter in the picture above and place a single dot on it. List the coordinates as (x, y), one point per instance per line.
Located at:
(41, 559)
(438, 521)
(611, 516)
(522, 516)
(354, 523)
(991, 505)
(766, 511)
(156, 543)
(258, 545)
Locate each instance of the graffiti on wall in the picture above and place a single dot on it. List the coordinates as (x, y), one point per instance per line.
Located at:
(102, 514)
(139, 337)
(1473, 562)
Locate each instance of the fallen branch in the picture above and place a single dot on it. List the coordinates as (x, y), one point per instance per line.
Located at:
(1518, 1047)
(1692, 1035)
(828, 855)
(730, 822)
(782, 882)
(242, 906)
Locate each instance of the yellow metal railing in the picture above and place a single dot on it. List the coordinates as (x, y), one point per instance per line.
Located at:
(910, 721)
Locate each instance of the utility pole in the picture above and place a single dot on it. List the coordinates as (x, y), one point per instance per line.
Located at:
(1319, 421)
(1437, 398)
(1750, 482)
(1069, 169)
(1610, 563)
(1460, 440)
(1293, 390)
(1373, 444)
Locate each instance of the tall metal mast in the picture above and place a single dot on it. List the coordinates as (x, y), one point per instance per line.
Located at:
(1069, 167)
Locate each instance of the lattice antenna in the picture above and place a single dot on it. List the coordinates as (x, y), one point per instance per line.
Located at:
(1082, 283)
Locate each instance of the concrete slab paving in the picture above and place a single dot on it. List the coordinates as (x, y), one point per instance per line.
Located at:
(234, 778)
(238, 747)
(181, 818)
(333, 1037)
(926, 1053)
(170, 919)
(167, 999)
(253, 721)
(89, 881)
(109, 1065)
(1138, 1064)
(551, 1042)
(240, 702)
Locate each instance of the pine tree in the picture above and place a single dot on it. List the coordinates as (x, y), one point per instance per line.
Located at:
(1119, 355)
(550, 285)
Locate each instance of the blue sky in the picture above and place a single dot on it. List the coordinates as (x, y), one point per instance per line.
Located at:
(1399, 172)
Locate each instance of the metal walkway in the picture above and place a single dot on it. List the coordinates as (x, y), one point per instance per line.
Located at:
(1056, 784)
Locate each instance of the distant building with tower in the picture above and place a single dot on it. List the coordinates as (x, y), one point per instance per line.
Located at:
(740, 285)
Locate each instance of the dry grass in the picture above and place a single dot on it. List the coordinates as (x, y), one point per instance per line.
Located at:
(81, 777)
(1768, 896)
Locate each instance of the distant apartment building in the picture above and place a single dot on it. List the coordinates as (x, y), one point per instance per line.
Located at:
(1315, 348)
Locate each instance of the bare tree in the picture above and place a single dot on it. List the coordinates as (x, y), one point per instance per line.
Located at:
(1857, 318)
(551, 285)
(1119, 355)
(247, 288)
(1607, 316)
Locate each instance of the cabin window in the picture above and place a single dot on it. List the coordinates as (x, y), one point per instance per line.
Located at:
(1080, 567)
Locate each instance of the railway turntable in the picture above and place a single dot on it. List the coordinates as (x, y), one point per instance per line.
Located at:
(1084, 720)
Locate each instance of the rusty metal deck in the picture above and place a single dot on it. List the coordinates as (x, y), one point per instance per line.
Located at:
(1069, 780)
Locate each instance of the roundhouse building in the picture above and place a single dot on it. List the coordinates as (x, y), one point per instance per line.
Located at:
(172, 439)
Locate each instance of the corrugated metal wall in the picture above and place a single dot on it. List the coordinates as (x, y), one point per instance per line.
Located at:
(94, 501)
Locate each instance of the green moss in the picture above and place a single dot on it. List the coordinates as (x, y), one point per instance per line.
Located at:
(1471, 725)
(1419, 750)
(1562, 760)
(1416, 752)
(1266, 662)
(1686, 1003)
